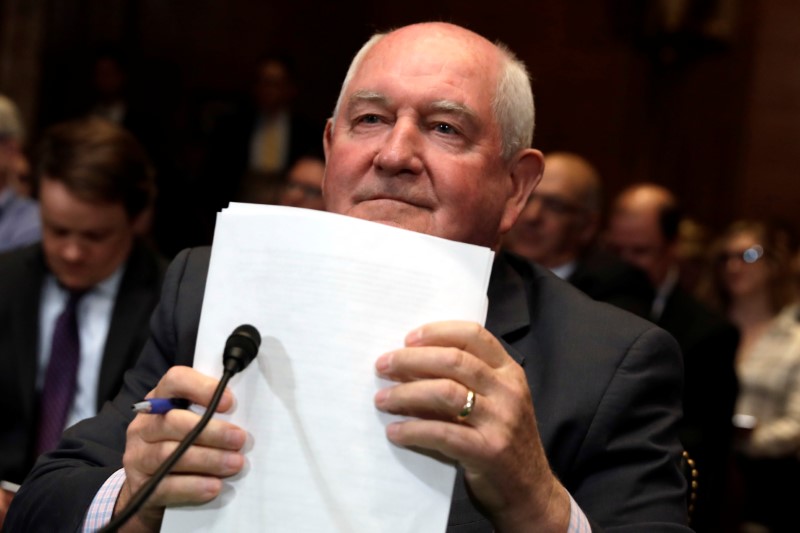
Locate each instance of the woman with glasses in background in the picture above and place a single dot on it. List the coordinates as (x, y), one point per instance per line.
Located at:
(753, 283)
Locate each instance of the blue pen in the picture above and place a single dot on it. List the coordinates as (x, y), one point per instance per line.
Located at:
(159, 406)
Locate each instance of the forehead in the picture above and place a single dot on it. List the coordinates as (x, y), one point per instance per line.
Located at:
(307, 170)
(430, 64)
(559, 179)
(59, 205)
(743, 239)
(636, 227)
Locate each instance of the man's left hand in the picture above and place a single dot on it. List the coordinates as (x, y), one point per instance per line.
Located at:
(497, 443)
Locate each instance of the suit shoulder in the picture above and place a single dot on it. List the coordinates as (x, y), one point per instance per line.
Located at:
(693, 321)
(564, 318)
(20, 262)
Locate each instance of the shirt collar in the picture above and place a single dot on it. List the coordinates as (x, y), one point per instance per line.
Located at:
(564, 271)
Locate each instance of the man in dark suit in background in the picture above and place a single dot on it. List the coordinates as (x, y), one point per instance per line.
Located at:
(95, 187)
(643, 230)
(432, 133)
(558, 230)
(251, 150)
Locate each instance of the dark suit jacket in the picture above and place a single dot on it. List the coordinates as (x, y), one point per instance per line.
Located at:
(229, 152)
(709, 344)
(21, 275)
(606, 386)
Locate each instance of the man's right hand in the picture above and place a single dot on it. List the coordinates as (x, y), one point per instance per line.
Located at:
(197, 477)
(5, 500)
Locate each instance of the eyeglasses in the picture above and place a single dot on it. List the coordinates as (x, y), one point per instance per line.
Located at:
(554, 204)
(749, 255)
(308, 191)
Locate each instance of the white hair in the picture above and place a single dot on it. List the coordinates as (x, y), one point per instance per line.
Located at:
(512, 104)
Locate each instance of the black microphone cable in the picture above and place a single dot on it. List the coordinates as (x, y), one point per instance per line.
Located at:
(240, 349)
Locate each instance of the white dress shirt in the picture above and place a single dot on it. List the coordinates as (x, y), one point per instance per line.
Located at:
(94, 319)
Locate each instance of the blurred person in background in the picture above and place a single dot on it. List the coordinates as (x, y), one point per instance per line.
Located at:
(75, 307)
(694, 242)
(251, 149)
(558, 229)
(753, 283)
(19, 214)
(643, 230)
(303, 186)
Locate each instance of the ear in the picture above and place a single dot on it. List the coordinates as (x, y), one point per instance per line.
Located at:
(525, 172)
(327, 140)
(327, 137)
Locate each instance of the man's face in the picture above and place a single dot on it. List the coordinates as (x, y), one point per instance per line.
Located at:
(556, 223)
(415, 143)
(273, 88)
(83, 242)
(304, 185)
(636, 237)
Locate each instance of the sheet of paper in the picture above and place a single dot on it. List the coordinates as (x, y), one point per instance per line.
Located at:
(329, 294)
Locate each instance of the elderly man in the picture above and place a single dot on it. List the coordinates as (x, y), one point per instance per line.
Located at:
(557, 230)
(643, 229)
(431, 133)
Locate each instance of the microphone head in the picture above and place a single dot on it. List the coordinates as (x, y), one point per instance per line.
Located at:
(241, 348)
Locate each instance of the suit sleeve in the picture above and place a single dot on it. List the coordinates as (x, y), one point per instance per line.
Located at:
(626, 474)
(60, 488)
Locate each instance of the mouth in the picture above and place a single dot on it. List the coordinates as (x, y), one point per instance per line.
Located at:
(393, 199)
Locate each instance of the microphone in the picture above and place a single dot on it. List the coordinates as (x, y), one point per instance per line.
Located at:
(240, 350)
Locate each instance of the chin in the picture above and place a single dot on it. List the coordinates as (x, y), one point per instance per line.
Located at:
(393, 213)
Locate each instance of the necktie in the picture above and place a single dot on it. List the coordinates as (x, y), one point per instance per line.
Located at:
(271, 147)
(60, 380)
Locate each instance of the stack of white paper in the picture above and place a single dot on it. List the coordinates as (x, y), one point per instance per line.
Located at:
(329, 294)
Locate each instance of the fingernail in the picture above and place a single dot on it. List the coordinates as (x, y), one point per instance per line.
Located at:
(233, 461)
(380, 398)
(393, 431)
(414, 337)
(235, 438)
(384, 364)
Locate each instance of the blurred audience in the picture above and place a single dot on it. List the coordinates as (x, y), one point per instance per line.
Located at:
(303, 186)
(75, 307)
(558, 228)
(643, 230)
(753, 283)
(251, 150)
(19, 214)
(694, 242)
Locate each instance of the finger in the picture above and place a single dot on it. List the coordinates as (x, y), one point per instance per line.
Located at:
(186, 382)
(440, 399)
(460, 442)
(183, 489)
(470, 337)
(200, 460)
(426, 362)
(176, 424)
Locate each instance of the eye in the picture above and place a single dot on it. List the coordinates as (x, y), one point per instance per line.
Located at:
(369, 119)
(445, 128)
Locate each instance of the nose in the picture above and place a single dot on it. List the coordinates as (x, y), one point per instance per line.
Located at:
(400, 153)
(72, 251)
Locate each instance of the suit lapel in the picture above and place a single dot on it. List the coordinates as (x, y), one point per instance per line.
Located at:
(26, 336)
(131, 308)
(509, 314)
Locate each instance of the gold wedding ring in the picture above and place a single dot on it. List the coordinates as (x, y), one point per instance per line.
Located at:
(469, 405)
